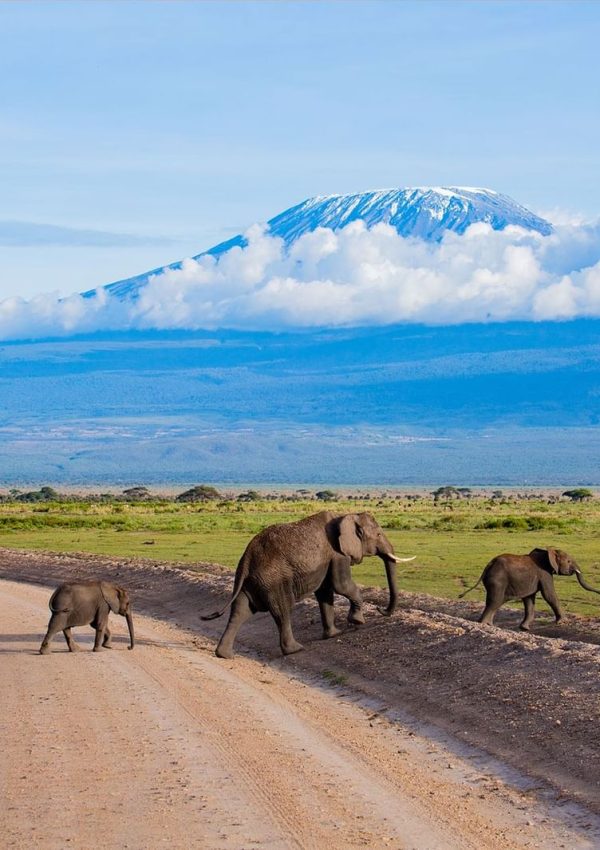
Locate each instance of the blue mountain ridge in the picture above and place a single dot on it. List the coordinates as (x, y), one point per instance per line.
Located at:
(508, 403)
(423, 213)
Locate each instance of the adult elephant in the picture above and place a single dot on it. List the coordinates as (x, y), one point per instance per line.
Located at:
(285, 562)
(87, 602)
(521, 577)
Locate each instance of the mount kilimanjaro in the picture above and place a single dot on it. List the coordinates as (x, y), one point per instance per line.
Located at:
(424, 213)
(507, 403)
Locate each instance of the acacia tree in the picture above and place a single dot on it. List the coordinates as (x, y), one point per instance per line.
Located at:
(579, 494)
(446, 493)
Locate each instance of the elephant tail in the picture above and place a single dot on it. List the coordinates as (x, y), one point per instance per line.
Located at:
(240, 576)
(479, 580)
(52, 607)
(464, 593)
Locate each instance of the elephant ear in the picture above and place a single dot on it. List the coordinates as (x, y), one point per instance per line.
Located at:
(542, 559)
(110, 595)
(350, 538)
(545, 557)
(553, 560)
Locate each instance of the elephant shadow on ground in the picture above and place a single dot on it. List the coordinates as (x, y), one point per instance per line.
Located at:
(84, 641)
(571, 628)
(571, 631)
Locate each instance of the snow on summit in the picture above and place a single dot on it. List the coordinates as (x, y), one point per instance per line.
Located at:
(422, 212)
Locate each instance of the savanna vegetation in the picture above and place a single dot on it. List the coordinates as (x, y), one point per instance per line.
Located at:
(454, 532)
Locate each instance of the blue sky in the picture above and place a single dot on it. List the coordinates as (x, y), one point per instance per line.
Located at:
(174, 125)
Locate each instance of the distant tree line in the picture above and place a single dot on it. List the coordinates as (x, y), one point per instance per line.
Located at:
(207, 493)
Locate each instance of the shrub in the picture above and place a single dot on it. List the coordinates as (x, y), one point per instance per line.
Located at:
(137, 494)
(326, 495)
(518, 523)
(201, 493)
(249, 496)
(44, 494)
(528, 523)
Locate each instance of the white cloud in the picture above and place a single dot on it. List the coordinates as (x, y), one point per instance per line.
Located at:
(350, 277)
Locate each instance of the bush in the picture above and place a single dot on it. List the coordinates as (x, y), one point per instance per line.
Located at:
(528, 523)
(44, 494)
(399, 523)
(202, 493)
(517, 523)
(249, 496)
(137, 494)
(326, 495)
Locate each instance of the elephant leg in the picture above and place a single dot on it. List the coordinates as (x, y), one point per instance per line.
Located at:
(240, 612)
(100, 631)
(107, 636)
(280, 606)
(344, 584)
(58, 623)
(529, 604)
(70, 642)
(324, 595)
(489, 612)
(287, 641)
(549, 594)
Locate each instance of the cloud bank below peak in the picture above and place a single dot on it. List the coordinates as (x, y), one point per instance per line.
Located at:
(355, 276)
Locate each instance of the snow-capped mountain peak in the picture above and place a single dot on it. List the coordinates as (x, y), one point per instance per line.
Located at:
(421, 212)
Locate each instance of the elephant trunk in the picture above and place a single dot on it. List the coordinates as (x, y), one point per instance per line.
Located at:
(390, 571)
(584, 583)
(129, 619)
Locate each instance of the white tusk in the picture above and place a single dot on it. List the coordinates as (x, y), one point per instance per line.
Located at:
(401, 560)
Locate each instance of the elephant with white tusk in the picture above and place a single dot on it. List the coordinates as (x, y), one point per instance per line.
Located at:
(285, 562)
(87, 602)
(521, 577)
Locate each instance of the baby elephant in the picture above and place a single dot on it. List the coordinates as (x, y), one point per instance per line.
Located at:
(521, 576)
(78, 603)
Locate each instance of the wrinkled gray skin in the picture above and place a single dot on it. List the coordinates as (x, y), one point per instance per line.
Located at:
(87, 602)
(285, 562)
(521, 577)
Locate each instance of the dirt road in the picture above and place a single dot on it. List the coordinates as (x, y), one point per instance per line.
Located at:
(167, 746)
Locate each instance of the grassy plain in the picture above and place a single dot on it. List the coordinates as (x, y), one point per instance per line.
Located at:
(452, 540)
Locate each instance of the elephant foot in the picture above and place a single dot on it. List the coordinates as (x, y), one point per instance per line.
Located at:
(356, 618)
(98, 649)
(524, 627)
(292, 647)
(107, 646)
(44, 650)
(223, 652)
(558, 621)
(74, 647)
(331, 633)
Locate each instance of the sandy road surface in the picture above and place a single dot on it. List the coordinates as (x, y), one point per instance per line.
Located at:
(167, 746)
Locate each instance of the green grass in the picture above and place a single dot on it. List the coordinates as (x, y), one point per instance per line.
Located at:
(452, 542)
(334, 678)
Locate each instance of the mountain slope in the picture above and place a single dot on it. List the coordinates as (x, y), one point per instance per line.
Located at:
(424, 213)
(504, 404)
